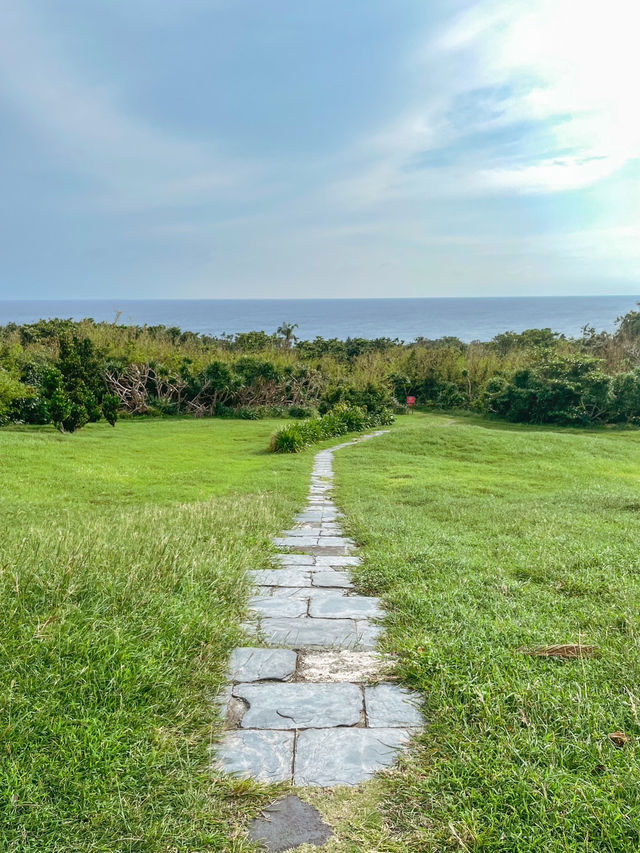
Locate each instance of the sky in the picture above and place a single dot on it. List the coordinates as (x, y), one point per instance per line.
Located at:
(281, 149)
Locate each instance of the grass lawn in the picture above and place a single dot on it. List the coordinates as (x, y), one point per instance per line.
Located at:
(485, 539)
(122, 560)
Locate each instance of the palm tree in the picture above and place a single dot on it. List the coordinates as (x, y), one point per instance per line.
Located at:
(286, 330)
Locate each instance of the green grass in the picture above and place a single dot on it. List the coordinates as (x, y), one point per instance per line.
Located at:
(122, 562)
(122, 559)
(485, 539)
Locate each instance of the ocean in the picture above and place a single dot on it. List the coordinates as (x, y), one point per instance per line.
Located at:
(468, 319)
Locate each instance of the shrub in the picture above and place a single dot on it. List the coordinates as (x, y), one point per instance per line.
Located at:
(110, 408)
(568, 389)
(339, 421)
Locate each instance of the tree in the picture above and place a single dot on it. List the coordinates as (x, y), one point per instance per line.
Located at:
(286, 331)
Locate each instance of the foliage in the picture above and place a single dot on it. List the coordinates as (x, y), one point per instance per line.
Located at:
(338, 421)
(557, 389)
(535, 376)
(12, 393)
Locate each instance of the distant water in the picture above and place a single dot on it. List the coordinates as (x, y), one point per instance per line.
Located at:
(407, 319)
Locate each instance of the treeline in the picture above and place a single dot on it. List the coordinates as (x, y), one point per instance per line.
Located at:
(70, 373)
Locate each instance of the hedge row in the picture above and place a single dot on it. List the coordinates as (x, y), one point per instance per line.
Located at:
(339, 421)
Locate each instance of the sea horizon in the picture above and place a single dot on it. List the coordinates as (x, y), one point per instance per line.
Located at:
(407, 318)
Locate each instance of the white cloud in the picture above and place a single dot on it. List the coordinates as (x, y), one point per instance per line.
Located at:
(575, 66)
(559, 75)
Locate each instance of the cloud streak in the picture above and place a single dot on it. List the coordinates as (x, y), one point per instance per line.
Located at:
(87, 127)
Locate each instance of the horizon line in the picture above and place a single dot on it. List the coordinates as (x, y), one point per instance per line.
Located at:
(311, 298)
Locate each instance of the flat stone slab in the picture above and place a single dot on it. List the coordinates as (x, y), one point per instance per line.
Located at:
(337, 561)
(296, 541)
(303, 592)
(389, 705)
(322, 549)
(278, 605)
(249, 664)
(330, 577)
(266, 756)
(337, 541)
(282, 577)
(293, 559)
(287, 824)
(342, 665)
(317, 633)
(332, 757)
(335, 606)
(299, 706)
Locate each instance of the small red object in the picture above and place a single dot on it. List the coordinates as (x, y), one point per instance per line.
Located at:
(411, 401)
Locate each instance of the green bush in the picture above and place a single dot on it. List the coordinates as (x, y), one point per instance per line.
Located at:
(569, 389)
(339, 421)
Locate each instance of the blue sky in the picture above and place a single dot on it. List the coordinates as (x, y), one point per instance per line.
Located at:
(234, 148)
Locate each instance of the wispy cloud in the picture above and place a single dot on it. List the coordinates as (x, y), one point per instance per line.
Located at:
(91, 131)
(556, 78)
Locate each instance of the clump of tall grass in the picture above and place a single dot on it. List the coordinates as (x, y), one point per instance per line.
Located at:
(340, 420)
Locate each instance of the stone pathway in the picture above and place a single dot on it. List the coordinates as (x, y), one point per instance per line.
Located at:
(309, 703)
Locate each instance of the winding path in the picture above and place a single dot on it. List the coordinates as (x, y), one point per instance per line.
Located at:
(309, 703)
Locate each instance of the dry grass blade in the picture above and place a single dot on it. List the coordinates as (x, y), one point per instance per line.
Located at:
(567, 650)
(619, 739)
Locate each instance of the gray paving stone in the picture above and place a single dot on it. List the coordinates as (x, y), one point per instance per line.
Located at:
(337, 606)
(287, 824)
(283, 605)
(344, 756)
(266, 756)
(330, 577)
(295, 541)
(293, 559)
(337, 561)
(389, 705)
(368, 634)
(337, 542)
(299, 576)
(302, 532)
(316, 633)
(303, 592)
(249, 664)
(278, 705)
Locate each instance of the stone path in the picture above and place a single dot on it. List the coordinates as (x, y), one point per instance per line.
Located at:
(308, 703)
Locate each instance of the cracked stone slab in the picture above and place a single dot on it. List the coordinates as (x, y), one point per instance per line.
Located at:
(389, 705)
(337, 561)
(263, 755)
(288, 823)
(330, 577)
(337, 606)
(336, 542)
(342, 665)
(293, 559)
(304, 632)
(282, 605)
(296, 541)
(302, 532)
(303, 592)
(332, 757)
(324, 550)
(299, 705)
(300, 576)
(249, 664)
